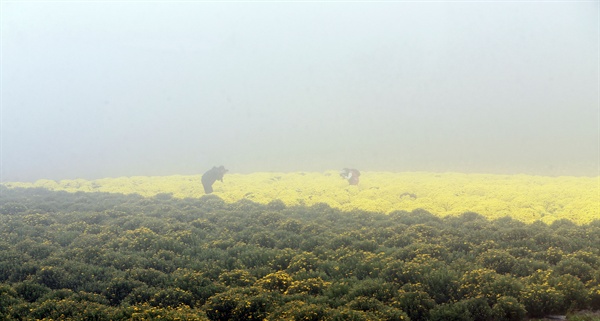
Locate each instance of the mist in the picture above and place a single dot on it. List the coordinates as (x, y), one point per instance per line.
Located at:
(94, 89)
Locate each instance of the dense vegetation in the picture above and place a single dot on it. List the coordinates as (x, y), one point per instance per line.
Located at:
(526, 198)
(102, 256)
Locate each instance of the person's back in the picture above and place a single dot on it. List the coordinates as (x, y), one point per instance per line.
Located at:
(212, 175)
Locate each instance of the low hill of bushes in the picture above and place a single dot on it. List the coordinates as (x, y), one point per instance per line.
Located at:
(106, 256)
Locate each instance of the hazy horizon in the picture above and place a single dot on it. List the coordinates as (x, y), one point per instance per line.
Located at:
(107, 89)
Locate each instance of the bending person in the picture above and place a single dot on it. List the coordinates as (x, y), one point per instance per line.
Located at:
(351, 175)
(209, 178)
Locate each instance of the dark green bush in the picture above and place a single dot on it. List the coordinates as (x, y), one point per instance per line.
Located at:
(196, 283)
(31, 291)
(416, 304)
(144, 313)
(374, 288)
(278, 281)
(498, 260)
(488, 284)
(140, 295)
(573, 290)
(347, 314)
(575, 267)
(442, 283)
(172, 297)
(53, 277)
(311, 286)
(12, 208)
(151, 277)
(303, 262)
(508, 308)
(237, 278)
(479, 309)
(450, 312)
(525, 267)
(542, 299)
(300, 310)
(594, 297)
(240, 304)
(365, 304)
(118, 289)
(8, 297)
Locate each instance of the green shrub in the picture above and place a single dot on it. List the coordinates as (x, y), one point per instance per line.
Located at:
(237, 277)
(552, 255)
(573, 290)
(508, 308)
(394, 272)
(118, 289)
(450, 312)
(498, 260)
(278, 281)
(12, 208)
(31, 291)
(594, 297)
(362, 303)
(479, 309)
(53, 277)
(337, 293)
(413, 271)
(240, 304)
(151, 277)
(417, 216)
(387, 313)
(8, 297)
(300, 310)
(305, 261)
(311, 286)
(366, 245)
(264, 239)
(172, 297)
(416, 304)
(503, 285)
(443, 284)
(488, 284)
(542, 299)
(526, 266)
(375, 288)
(36, 250)
(140, 295)
(347, 314)
(196, 283)
(588, 257)
(68, 309)
(575, 267)
(145, 312)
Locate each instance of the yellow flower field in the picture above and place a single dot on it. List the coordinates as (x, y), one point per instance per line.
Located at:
(523, 197)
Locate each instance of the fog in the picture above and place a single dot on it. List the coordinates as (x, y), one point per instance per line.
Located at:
(107, 89)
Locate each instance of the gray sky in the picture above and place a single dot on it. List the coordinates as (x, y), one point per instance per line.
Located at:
(105, 89)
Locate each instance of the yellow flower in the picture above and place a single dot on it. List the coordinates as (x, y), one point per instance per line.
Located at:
(523, 197)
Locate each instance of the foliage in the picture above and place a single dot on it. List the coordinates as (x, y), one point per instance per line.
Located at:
(102, 256)
(523, 197)
(542, 299)
(416, 304)
(508, 308)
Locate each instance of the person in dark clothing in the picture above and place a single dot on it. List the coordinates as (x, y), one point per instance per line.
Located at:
(351, 175)
(209, 178)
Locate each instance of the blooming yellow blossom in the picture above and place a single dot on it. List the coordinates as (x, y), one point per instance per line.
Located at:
(523, 197)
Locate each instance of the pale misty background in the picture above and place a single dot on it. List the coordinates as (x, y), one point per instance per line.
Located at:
(108, 89)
